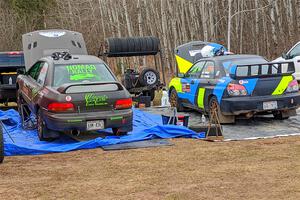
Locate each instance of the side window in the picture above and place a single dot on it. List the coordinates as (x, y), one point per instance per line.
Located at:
(195, 71)
(295, 51)
(208, 70)
(42, 75)
(34, 71)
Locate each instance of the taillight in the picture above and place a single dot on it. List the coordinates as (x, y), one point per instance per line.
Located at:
(293, 86)
(236, 90)
(59, 107)
(14, 53)
(123, 104)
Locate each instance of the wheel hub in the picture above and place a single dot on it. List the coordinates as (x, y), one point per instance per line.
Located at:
(150, 77)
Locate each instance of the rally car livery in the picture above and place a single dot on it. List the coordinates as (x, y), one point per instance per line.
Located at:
(70, 92)
(237, 85)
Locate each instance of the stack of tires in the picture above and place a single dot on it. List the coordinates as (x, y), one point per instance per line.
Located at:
(1, 145)
(131, 46)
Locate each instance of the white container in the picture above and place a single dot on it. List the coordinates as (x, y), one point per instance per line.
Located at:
(165, 98)
(10, 81)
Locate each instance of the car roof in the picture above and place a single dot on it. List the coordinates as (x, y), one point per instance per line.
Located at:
(76, 59)
(228, 57)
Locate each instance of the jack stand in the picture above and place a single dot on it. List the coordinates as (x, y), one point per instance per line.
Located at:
(28, 122)
(214, 122)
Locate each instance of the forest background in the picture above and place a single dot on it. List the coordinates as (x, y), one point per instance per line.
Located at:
(264, 27)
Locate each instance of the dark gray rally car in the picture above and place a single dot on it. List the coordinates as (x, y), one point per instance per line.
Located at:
(70, 92)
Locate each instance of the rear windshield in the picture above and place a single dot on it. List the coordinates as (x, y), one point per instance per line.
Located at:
(11, 60)
(241, 61)
(78, 73)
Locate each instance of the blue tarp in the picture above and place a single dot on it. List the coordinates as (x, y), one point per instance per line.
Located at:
(146, 126)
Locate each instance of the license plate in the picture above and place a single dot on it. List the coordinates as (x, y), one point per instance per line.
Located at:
(94, 125)
(270, 105)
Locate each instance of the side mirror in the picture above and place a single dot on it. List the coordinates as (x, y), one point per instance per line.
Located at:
(21, 71)
(181, 75)
(285, 56)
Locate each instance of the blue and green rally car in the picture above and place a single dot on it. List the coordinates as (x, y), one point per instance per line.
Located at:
(237, 85)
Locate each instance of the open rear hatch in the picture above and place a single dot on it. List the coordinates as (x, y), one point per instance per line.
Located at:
(264, 78)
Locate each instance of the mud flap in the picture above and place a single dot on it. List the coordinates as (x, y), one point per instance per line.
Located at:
(289, 113)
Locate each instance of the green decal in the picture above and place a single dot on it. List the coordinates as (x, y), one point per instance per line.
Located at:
(81, 72)
(116, 118)
(74, 120)
(34, 92)
(94, 100)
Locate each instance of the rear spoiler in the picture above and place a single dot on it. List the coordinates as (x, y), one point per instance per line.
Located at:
(66, 88)
(261, 70)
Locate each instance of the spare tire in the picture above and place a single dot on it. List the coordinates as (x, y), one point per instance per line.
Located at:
(1, 145)
(149, 77)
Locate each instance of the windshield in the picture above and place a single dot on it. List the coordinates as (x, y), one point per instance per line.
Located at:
(78, 73)
(242, 61)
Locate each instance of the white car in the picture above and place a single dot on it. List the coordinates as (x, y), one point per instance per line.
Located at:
(292, 55)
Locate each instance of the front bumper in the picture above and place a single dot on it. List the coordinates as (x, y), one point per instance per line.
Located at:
(243, 105)
(121, 119)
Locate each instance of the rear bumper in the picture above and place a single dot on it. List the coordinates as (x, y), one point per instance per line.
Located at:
(242, 105)
(78, 121)
(8, 93)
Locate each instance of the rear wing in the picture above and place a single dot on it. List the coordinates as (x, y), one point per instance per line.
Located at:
(262, 70)
(89, 87)
(39, 44)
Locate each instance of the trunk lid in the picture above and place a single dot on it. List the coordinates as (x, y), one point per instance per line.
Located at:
(94, 96)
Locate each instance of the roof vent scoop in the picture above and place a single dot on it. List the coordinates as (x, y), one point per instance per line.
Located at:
(64, 55)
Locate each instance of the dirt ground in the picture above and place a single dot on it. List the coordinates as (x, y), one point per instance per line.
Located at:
(191, 169)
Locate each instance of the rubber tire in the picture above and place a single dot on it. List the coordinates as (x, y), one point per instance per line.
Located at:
(143, 80)
(1, 145)
(224, 119)
(176, 104)
(279, 116)
(42, 128)
(117, 133)
(138, 46)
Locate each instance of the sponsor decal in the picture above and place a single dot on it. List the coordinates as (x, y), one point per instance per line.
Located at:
(243, 82)
(94, 100)
(81, 72)
(116, 118)
(74, 120)
(34, 92)
(68, 98)
(186, 87)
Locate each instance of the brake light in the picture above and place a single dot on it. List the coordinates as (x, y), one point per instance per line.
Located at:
(293, 86)
(236, 90)
(14, 53)
(58, 106)
(123, 104)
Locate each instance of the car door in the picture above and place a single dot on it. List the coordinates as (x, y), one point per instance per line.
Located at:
(36, 80)
(206, 83)
(294, 55)
(190, 83)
